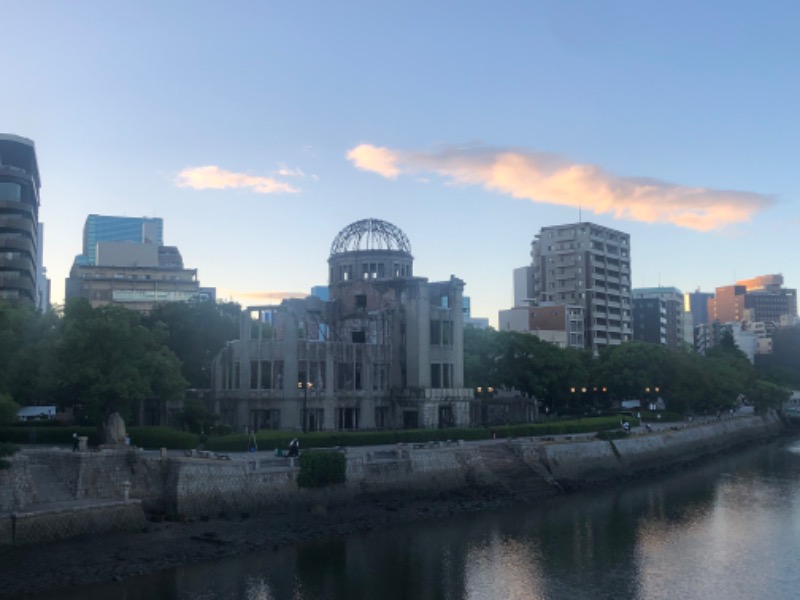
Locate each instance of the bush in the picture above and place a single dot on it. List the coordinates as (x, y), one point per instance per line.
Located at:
(49, 434)
(320, 468)
(8, 409)
(163, 437)
(6, 449)
(272, 439)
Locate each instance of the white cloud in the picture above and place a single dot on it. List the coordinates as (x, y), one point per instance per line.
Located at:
(546, 178)
(285, 171)
(211, 177)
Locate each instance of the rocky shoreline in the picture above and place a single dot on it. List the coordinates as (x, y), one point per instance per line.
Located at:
(27, 570)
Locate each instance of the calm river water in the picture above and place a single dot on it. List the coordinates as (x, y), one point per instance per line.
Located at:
(729, 528)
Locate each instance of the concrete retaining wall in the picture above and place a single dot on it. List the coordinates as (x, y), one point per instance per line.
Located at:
(208, 487)
(46, 526)
(16, 491)
(580, 463)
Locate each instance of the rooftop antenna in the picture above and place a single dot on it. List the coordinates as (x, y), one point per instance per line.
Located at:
(580, 215)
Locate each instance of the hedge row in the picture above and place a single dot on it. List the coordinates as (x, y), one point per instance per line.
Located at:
(32, 434)
(166, 437)
(320, 468)
(270, 440)
(163, 437)
(145, 437)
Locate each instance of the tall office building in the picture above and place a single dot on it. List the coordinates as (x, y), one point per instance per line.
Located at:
(696, 303)
(658, 316)
(586, 265)
(103, 228)
(125, 262)
(768, 300)
(19, 219)
(42, 281)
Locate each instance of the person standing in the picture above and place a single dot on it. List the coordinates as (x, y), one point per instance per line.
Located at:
(75, 442)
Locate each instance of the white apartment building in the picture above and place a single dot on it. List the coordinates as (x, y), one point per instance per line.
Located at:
(587, 265)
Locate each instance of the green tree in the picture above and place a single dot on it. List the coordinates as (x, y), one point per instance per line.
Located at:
(8, 409)
(522, 362)
(481, 353)
(783, 365)
(27, 340)
(109, 362)
(196, 332)
(765, 395)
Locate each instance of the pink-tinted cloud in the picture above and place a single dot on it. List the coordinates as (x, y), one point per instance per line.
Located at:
(379, 160)
(211, 177)
(546, 178)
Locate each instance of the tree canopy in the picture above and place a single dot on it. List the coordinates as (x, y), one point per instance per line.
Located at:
(106, 359)
(567, 380)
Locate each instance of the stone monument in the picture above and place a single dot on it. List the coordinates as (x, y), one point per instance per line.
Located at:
(115, 430)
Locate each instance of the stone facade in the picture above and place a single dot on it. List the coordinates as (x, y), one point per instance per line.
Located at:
(385, 351)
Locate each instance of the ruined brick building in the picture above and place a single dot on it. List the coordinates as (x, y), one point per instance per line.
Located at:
(385, 351)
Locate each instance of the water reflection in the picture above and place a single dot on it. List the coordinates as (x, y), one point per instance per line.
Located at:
(725, 529)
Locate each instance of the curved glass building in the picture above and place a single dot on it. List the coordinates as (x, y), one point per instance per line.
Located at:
(19, 214)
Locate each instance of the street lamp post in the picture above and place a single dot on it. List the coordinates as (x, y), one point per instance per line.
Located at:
(483, 393)
(304, 385)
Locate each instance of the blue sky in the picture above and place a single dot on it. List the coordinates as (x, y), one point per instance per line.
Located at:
(258, 130)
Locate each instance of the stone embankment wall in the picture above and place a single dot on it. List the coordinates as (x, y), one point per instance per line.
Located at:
(207, 486)
(55, 524)
(16, 490)
(576, 465)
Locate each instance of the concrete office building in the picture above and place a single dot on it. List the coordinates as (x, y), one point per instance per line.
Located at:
(42, 281)
(469, 320)
(523, 286)
(764, 298)
(658, 316)
(131, 266)
(19, 220)
(106, 228)
(586, 265)
(559, 324)
(385, 351)
(696, 303)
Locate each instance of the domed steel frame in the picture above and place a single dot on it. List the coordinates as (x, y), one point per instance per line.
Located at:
(370, 234)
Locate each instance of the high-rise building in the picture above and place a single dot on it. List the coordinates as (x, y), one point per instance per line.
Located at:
(696, 303)
(762, 299)
(19, 219)
(768, 299)
(42, 281)
(125, 262)
(103, 228)
(523, 286)
(589, 266)
(658, 316)
(727, 304)
(476, 322)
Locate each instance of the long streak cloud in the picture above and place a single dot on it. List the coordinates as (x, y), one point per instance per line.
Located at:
(212, 177)
(547, 178)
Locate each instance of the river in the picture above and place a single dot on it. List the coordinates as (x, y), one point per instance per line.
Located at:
(727, 528)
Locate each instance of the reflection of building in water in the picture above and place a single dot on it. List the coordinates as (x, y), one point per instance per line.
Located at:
(384, 351)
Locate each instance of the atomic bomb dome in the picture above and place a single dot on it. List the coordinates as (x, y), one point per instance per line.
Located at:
(370, 249)
(370, 234)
